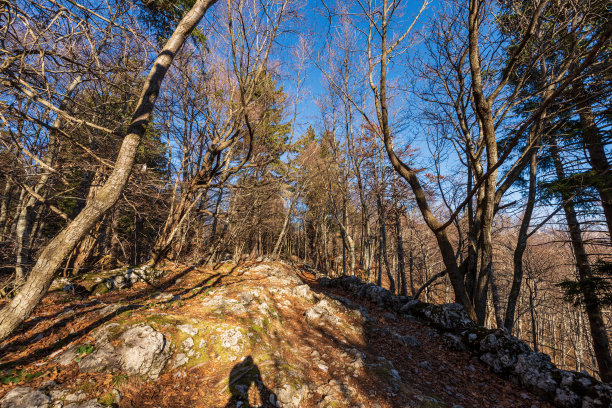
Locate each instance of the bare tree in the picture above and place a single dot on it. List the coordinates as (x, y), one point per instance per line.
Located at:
(55, 253)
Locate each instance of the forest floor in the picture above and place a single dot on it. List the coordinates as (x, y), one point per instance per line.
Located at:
(236, 336)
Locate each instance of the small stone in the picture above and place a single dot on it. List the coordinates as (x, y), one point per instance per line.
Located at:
(179, 360)
(453, 342)
(92, 403)
(389, 316)
(231, 338)
(304, 292)
(163, 297)
(409, 306)
(187, 344)
(187, 329)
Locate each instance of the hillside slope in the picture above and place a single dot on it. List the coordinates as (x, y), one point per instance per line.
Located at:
(258, 334)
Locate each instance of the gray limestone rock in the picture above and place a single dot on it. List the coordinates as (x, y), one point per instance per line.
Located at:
(232, 339)
(187, 329)
(25, 397)
(290, 397)
(453, 341)
(304, 292)
(141, 351)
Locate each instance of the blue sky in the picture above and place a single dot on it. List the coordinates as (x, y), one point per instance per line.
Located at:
(318, 23)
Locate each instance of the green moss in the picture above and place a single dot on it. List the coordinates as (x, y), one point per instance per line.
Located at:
(108, 399)
(257, 329)
(295, 381)
(99, 289)
(164, 320)
(83, 350)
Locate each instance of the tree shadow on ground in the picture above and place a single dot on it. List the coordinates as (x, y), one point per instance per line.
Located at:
(244, 380)
(43, 352)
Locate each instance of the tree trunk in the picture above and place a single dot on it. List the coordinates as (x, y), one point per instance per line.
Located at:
(496, 302)
(4, 205)
(21, 238)
(532, 312)
(55, 253)
(521, 245)
(23, 222)
(411, 261)
(285, 225)
(383, 245)
(399, 243)
(409, 174)
(380, 262)
(215, 221)
(84, 250)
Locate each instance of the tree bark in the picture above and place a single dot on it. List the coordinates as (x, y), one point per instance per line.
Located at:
(496, 301)
(4, 205)
(532, 312)
(55, 253)
(399, 243)
(383, 245)
(521, 245)
(285, 225)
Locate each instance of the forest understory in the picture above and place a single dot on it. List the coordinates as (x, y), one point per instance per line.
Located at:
(250, 325)
(448, 157)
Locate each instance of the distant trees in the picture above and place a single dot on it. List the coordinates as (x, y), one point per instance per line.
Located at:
(227, 112)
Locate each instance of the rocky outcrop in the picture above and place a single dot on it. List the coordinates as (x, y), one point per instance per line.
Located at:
(505, 354)
(258, 336)
(138, 351)
(121, 278)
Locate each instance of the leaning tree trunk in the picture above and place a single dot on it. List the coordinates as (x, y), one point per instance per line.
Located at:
(55, 253)
(601, 344)
(521, 245)
(279, 240)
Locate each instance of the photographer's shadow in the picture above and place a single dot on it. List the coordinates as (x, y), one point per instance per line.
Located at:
(244, 376)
